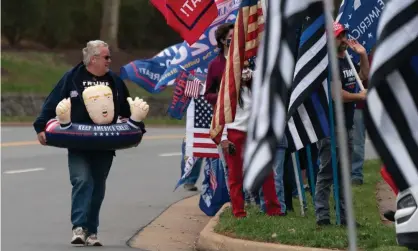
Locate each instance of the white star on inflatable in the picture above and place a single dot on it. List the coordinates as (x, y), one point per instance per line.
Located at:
(107, 134)
(364, 42)
(101, 134)
(370, 35)
(347, 26)
(112, 133)
(349, 16)
(95, 134)
(117, 134)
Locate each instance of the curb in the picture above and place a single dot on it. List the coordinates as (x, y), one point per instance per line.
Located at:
(211, 241)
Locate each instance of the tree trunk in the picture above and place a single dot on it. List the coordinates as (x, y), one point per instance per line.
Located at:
(110, 23)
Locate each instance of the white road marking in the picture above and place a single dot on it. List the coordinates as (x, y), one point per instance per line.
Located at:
(25, 170)
(170, 154)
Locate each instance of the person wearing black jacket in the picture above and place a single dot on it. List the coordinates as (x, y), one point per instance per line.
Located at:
(88, 169)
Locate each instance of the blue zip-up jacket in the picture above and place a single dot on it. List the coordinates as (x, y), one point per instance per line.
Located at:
(69, 83)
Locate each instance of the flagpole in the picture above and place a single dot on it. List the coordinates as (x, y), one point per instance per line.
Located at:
(359, 82)
(298, 185)
(311, 172)
(342, 133)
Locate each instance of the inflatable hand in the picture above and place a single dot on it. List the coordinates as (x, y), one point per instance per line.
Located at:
(63, 111)
(139, 109)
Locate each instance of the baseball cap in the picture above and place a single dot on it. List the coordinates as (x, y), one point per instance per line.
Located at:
(338, 28)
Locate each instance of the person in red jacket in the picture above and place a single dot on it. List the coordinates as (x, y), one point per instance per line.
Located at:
(234, 135)
(217, 66)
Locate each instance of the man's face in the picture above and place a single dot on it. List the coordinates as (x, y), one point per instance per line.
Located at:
(341, 41)
(99, 104)
(102, 61)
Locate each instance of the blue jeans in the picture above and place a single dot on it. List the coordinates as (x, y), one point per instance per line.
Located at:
(278, 177)
(359, 139)
(195, 173)
(88, 174)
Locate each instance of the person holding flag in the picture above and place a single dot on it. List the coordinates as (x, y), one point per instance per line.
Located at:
(349, 97)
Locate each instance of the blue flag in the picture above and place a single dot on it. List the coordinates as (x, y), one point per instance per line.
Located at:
(179, 102)
(214, 187)
(165, 56)
(361, 18)
(198, 55)
(145, 73)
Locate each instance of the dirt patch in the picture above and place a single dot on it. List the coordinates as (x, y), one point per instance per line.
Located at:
(177, 229)
(386, 200)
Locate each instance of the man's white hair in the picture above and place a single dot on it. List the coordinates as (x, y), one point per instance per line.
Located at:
(92, 49)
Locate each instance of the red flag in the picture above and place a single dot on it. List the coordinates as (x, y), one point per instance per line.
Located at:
(248, 30)
(190, 18)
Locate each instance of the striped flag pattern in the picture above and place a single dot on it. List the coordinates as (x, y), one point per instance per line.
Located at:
(248, 30)
(272, 82)
(212, 175)
(391, 114)
(310, 122)
(308, 105)
(193, 85)
(198, 141)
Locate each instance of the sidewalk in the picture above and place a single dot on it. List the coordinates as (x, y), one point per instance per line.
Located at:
(175, 229)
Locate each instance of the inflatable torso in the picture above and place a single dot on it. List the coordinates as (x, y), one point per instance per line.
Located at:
(61, 132)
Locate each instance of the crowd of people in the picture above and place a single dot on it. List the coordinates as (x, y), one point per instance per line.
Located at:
(279, 188)
(89, 170)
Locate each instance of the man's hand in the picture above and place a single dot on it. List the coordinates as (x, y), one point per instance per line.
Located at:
(42, 138)
(227, 145)
(356, 46)
(363, 94)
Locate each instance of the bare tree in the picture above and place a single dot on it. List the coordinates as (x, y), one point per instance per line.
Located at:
(110, 23)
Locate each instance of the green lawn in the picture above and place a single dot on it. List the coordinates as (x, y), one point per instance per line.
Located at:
(296, 230)
(38, 72)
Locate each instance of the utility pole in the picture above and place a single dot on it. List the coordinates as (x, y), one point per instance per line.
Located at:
(110, 23)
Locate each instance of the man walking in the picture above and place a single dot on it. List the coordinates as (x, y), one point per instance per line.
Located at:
(88, 169)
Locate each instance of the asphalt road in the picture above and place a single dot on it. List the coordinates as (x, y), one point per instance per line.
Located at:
(36, 190)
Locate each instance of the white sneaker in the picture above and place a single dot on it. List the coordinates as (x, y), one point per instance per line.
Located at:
(92, 240)
(79, 236)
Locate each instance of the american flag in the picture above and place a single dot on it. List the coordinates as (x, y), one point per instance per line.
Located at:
(248, 30)
(271, 84)
(193, 85)
(198, 141)
(212, 174)
(391, 113)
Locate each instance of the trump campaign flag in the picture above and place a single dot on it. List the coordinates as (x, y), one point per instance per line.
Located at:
(198, 55)
(145, 73)
(180, 101)
(190, 18)
(360, 18)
